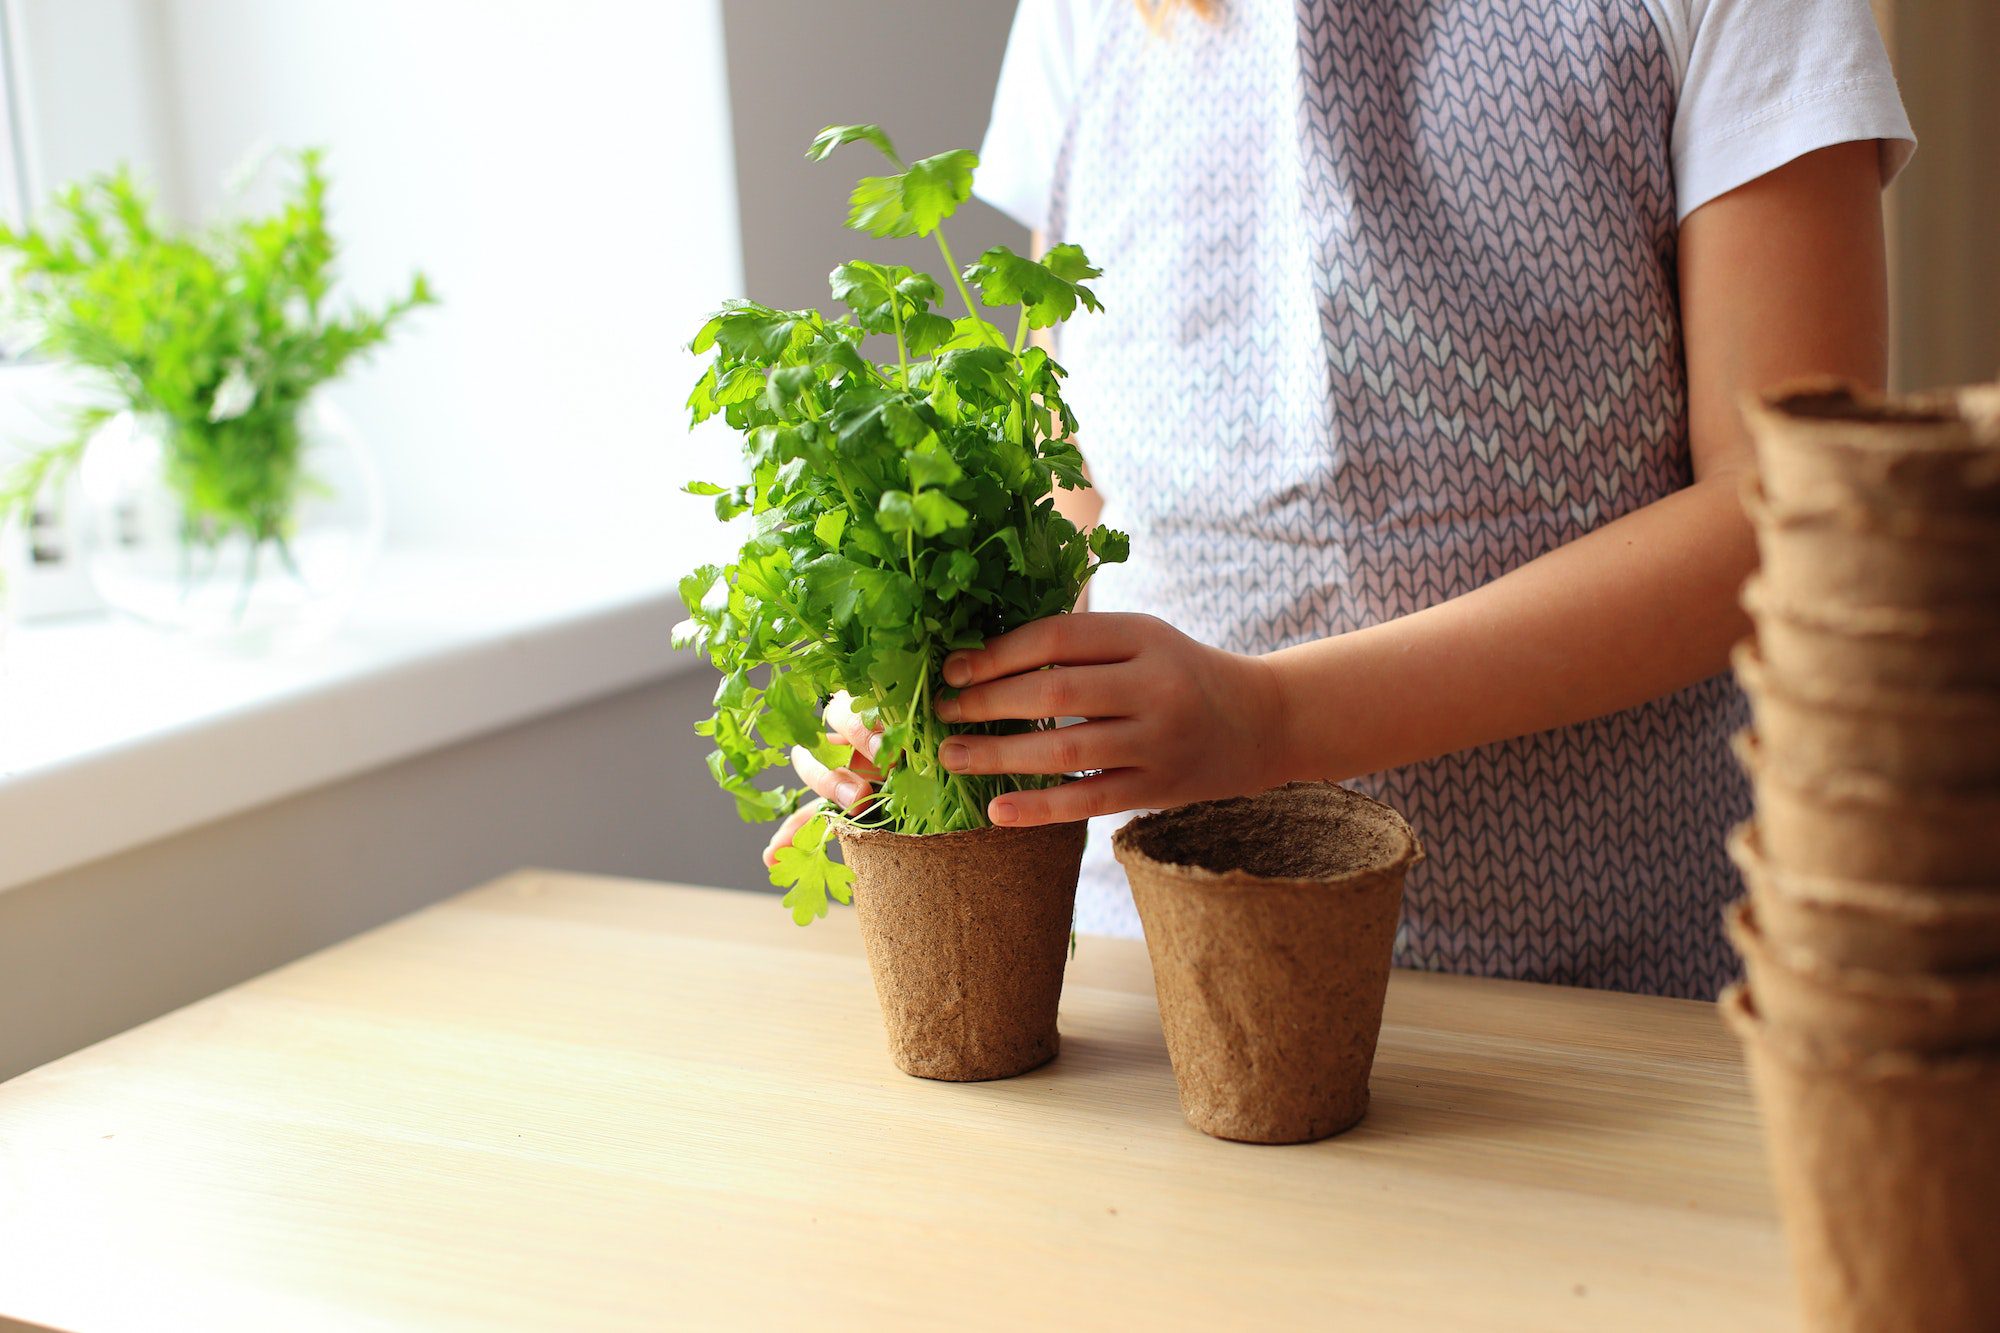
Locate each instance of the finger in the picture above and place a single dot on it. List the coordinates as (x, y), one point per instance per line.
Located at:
(1086, 798)
(865, 767)
(1091, 745)
(843, 786)
(1059, 692)
(1085, 638)
(844, 722)
(795, 821)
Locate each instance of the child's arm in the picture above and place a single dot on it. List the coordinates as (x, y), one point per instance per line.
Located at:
(1780, 277)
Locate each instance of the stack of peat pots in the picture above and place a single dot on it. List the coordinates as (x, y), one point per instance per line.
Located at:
(1871, 933)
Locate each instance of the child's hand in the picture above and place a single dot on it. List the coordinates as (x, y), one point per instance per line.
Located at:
(1167, 720)
(847, 786)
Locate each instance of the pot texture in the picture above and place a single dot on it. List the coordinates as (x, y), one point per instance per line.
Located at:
(1840, 1011)
(1887, 1167)
(1923, 739)
(1849, 923)
(1875, 648)
(1270, 921)
(1850, 558)
(967, 935)
(1856, 826)
(1823, 444)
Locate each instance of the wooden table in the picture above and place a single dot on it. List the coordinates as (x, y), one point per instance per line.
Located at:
(561, 1102)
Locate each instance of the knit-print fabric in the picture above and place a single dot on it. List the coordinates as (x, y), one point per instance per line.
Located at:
(1390, 311)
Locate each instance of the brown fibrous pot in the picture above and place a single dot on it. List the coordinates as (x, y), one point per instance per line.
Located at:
(1270, 920)
(967, 935)
(1874, 927)
(1853, 558)
(1887, 1167)
(1836, 1011)
(1826, 444)
(1923, 739)
(1857, 826)
(1874, 648)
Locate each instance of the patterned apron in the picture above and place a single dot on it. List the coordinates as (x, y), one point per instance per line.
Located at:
(1391, 310)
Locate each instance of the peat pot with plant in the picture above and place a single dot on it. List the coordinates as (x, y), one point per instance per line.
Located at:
(221, 494)
(902, 463)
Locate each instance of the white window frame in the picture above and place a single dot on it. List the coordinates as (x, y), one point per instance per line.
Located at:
(14, 185)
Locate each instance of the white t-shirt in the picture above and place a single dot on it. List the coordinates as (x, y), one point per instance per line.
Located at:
(1761, 82)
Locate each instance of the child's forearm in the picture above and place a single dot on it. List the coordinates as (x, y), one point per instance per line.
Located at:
(1639, 608)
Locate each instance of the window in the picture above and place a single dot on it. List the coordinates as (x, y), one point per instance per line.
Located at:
(13, 174)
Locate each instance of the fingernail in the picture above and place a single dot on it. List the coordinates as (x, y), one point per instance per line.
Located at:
(770, 856)
(1002, 812)
(957, 671)
(873, 746)
(847, 793)
(953, 754)
(947, 710)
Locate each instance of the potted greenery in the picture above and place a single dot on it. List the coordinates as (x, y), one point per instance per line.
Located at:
(220, 493)
(902, 464)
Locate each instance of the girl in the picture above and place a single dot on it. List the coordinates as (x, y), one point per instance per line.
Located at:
(1417, 388)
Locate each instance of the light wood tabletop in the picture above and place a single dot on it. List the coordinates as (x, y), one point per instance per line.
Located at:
(565, 1102)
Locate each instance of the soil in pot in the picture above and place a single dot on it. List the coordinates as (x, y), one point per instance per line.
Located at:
(1837, 1011)
(1270, 921)
(1893, 928)
(1856, 826)
(1822, 444)
(1887, 1168)
(967, 935)
(1922, 739)
(1875, 648)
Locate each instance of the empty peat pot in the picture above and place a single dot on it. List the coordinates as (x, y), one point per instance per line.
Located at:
(1270, 921)
(1875, 648)
(1853, 923)
(1927, 739)
(1837, 1011)
(967, 934)
(1856, 558)
(1825, 444)
(1858, 826)
(1886, 1167)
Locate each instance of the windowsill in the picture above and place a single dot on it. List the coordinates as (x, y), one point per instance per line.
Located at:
(112, 736)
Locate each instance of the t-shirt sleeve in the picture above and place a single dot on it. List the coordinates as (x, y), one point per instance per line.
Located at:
(1766, 81)
(1017, 161)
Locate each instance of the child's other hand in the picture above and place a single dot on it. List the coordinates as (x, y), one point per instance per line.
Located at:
(848, 786)
(1167, 720)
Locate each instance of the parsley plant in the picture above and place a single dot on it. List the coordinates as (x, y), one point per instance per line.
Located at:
(902, 467)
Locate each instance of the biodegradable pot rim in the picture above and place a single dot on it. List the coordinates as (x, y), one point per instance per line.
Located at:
(1850, 788)
(990, 833)
(1970, 706)
(1739, 1010)
(1847, 404)
(1917, 528)
(1862, 621)
(1921, 989)
(1869, 897)
(1124, 844)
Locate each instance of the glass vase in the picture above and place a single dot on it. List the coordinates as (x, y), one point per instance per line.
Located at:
(157, 553)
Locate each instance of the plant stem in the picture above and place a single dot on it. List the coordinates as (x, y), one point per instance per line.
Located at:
(902, 356)
(958, 280)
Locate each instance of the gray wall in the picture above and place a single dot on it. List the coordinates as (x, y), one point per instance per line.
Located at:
(615, 786)
(796, 65)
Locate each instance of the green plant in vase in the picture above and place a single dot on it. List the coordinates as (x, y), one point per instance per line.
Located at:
(215, 339)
